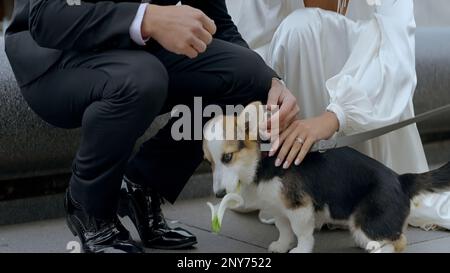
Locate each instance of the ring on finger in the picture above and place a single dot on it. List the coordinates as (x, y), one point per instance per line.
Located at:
(300, 140)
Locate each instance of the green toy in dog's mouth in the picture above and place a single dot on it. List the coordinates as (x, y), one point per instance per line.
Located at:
(232, 201)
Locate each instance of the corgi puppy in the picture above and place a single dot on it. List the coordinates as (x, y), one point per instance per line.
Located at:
(340, 186)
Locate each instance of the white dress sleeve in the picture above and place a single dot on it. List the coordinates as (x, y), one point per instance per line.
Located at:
(378, 80)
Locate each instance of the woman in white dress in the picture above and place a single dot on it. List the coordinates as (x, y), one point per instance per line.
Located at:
(349, 74)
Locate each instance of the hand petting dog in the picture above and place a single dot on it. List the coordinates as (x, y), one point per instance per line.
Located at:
(291, 137)
(294, 143)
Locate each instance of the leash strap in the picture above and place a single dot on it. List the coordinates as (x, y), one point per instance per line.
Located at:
(325, 145)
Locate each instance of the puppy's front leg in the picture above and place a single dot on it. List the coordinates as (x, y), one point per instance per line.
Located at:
(287, 237)
(302, 223)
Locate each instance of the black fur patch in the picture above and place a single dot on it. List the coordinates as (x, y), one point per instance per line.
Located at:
(351, 183)
(266, 170)
(293, 192)
(437, 180)
(348, 182)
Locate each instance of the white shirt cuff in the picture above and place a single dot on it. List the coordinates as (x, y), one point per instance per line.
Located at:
(135, 28)
(340, 114)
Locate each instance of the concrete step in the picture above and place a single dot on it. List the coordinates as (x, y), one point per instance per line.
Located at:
(241, 233)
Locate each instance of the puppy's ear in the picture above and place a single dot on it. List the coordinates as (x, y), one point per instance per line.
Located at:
(248, 121)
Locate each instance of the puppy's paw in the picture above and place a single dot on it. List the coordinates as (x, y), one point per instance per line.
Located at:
(278, 247)
(380, 247)
(301, 249)
(373, 247)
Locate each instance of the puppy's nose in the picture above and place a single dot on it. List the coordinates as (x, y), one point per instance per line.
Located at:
(221, 193)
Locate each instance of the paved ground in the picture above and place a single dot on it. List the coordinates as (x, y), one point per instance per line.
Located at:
(240, 233)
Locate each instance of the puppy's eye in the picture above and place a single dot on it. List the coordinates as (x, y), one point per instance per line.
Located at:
(226, 158)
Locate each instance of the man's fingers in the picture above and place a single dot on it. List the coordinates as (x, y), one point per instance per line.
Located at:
(305, 149)
(208, 24)
(289, 119)
(190, 52)
(274, 97)
(277, 121)
(205, 36)
(198, 45)
(286, 108)
(274, 121)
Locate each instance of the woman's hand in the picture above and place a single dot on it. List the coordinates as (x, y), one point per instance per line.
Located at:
(296, 141)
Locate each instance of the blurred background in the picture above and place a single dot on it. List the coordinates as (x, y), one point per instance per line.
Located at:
(429, 13)
(6, 7)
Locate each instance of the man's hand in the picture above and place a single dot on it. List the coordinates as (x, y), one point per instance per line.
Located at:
(281, 97)
(179, 29)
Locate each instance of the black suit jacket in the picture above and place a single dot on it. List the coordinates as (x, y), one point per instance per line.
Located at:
(42, 29)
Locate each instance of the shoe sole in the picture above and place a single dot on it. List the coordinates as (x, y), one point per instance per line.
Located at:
(183, 246)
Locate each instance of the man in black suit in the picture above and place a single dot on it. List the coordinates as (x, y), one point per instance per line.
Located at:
(110, 67)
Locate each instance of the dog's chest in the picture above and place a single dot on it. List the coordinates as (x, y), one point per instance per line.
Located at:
(268, 194)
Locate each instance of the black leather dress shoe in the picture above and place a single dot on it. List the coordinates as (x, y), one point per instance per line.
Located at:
(144, 209)
(98, 236)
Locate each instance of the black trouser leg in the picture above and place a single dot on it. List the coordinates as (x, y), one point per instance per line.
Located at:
(114, 96)
(226, 74)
